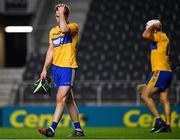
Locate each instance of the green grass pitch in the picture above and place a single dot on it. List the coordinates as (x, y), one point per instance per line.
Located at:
(91, 133)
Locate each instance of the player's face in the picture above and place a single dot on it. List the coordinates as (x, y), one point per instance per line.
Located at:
(57, 15)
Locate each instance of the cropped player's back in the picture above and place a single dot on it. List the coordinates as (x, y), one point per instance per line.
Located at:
(160, 52)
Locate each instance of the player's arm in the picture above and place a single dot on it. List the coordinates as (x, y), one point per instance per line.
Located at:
(64, 26)
(149, 33)
(48, 60)
(62, 19)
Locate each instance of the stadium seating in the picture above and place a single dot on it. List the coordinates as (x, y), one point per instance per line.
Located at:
(112, 54)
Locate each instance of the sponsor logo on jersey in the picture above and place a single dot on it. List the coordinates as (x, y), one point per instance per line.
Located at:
(61, 40)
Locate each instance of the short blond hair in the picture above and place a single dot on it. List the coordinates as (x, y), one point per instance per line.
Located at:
(67, 10)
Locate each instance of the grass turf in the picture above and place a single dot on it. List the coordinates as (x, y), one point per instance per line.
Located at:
(90, 133)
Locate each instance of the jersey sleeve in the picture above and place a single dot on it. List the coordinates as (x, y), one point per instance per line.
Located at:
(157, 37)
(73, 28)
(50, 38)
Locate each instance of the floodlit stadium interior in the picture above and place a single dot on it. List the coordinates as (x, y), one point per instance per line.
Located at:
(113, 57)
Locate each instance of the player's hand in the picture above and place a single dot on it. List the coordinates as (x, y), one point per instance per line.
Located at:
(43, 74)
(61, 9)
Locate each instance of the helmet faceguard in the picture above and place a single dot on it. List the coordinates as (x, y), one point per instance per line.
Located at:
(42, 86)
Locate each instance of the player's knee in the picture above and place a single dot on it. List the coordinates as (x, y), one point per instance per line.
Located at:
(69, 101)
(60, 99)
(144, 96)
(140, 88)
(164, 100)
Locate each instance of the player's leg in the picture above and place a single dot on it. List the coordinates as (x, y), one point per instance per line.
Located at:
(164, 98)
(74, 114)
(72, 108)
(73, 111)
(61, 98)
(62, 78)
(152, 86)
(146, 97)
(164, 85)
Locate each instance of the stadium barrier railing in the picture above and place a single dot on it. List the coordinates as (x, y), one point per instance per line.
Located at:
(99, 89)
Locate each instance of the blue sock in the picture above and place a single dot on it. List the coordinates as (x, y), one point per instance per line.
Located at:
(54, 125)
(167, 126)
(77, 125)
(159, 120)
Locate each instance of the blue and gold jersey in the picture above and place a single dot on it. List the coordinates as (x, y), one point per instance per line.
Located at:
(64, 53)
(160, 52)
